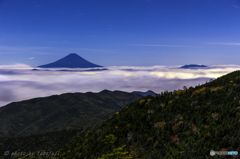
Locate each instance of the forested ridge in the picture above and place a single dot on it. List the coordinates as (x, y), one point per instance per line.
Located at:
(61, 112)
(186, 123)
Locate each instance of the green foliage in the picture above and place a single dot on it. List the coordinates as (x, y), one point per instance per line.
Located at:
(110, 139)
(27, 157)
(115, 154)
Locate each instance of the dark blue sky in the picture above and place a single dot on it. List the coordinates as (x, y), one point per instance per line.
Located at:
(120, 32)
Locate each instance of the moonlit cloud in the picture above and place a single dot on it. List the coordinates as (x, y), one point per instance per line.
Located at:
(237, 44)
(235, 6)
(32, 49)
(15, 66)
(157, 45)
(51, 50)
(4, 103)
(19, 82)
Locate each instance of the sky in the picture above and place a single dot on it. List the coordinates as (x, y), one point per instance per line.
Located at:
(120, 32)
(153, 38)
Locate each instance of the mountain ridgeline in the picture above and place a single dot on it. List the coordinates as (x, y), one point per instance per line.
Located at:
(149, 92)
(72, 60)
(60, 112)
(183, 124)
(194, 66)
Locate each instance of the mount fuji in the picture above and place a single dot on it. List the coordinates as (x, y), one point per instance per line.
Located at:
(72, 60)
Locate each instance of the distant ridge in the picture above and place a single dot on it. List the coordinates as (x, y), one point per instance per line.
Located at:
(72, 60)
(149, 92)
(193, 66)
(59, 112)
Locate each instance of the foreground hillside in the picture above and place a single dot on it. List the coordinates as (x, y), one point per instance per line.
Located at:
(51, 141)
(59, 112)
(181, 124)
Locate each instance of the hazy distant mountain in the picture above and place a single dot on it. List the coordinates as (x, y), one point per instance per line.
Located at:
(72, 60)
(193, 66)
(144, 93)
(58, 112)
(98, 69)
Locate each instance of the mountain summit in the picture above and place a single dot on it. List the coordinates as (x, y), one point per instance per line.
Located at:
(149, 92)
(191, 66)
(72, 60)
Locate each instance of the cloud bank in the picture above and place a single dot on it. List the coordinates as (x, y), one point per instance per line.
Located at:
(19, 82)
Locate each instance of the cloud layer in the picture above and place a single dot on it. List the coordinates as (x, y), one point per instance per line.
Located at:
(19, 82)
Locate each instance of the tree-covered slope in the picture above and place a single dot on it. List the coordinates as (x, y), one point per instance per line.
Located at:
(181, 124)
(51, 141)
(59, 112)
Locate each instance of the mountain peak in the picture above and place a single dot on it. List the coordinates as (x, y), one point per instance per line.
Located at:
(73, 54)
(193, 66)
(149, 92)
(72, 60)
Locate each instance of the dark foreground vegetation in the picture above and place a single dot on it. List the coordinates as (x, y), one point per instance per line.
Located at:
(47, 142)
(181, 124)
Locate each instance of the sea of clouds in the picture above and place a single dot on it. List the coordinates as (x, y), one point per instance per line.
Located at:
(19, 82)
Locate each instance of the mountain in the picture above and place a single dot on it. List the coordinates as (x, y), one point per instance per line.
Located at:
(98, 69)
(149, 92)
(192, 66)
(58, 112)
(183, 124)
(72, 60)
